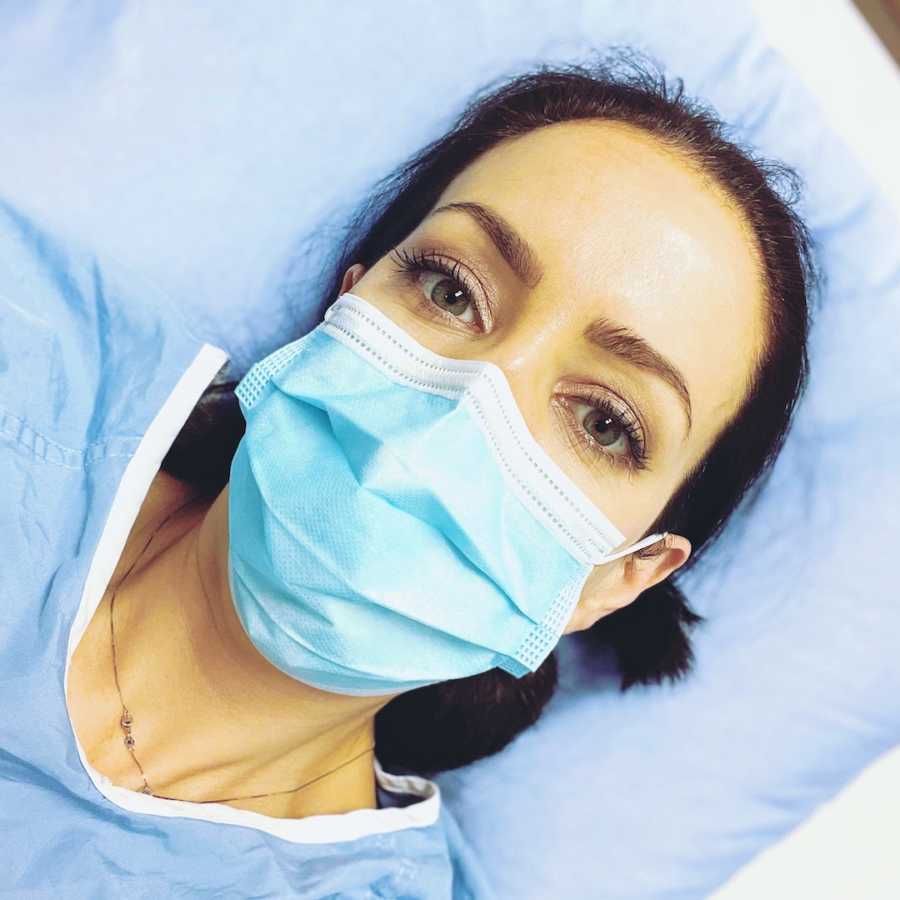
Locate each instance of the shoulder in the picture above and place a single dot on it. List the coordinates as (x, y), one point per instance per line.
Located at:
(87, 347)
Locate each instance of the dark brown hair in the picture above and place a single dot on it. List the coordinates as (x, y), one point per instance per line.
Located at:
(455, 722)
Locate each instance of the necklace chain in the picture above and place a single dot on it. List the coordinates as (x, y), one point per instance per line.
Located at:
(126, 721)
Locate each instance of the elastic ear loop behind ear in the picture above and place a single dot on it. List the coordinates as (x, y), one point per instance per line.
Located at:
(644, 542)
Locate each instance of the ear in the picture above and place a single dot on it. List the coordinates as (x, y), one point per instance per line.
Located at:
(611, 586)
(352, 276)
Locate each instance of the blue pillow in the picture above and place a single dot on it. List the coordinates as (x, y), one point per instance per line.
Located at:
(215, 149)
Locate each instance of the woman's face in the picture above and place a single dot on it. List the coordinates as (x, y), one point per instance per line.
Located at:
(616, 289)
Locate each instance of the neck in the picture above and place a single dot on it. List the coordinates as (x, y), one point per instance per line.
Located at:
(212, 717)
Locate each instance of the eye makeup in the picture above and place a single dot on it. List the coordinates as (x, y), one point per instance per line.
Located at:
(577, 404)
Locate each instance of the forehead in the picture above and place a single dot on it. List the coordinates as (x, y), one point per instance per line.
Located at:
(629, 229)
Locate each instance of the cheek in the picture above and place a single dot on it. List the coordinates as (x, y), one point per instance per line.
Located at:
(632, 504)
(597, 590)
(400, 302)
(598, 599)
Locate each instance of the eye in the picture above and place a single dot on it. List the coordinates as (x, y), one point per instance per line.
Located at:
(454, 300)
(605, 428)
(444, 284)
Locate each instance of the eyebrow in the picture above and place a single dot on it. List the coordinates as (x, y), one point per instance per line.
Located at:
(509, 243)
(609, 335)
(630, 346)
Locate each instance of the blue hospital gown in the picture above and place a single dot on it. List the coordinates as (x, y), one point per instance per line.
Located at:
(97, 375)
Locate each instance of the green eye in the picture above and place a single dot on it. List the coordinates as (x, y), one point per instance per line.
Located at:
(605, 429)
(445, 292)
(443, 284)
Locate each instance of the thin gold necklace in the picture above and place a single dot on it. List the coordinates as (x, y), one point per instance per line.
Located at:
(126, 721)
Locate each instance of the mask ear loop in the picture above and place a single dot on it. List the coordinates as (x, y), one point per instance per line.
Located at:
(645, 542)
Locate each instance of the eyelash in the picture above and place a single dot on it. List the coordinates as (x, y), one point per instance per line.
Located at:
(637, 453)
(412, 264)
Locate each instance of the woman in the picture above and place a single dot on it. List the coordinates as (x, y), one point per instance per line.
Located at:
(642, 289)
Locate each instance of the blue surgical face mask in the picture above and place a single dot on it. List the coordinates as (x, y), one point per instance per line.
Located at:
(392, 522)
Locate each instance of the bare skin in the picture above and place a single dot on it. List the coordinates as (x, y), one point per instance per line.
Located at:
(620, 228)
